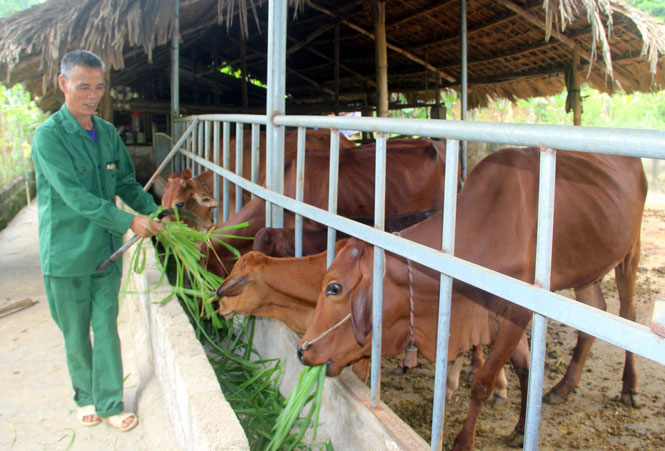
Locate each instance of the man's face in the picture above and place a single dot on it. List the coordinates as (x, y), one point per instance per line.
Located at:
(83, 90)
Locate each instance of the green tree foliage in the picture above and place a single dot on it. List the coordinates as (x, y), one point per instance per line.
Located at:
(19, 117)
(655, 8)
(8, 7)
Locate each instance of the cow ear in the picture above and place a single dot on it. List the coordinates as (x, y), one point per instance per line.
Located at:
(361, 313)
(205, 201)
(186, 173)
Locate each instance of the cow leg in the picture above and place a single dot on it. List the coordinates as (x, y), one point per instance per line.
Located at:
(590, 295)
(520, 360)
(626, 274)
(452, 381)
(476, 360)
(508, 337)
(501, 388)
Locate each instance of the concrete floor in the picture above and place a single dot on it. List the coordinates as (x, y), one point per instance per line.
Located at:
(36, 406)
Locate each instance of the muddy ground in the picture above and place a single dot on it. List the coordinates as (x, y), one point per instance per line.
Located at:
(592, 418)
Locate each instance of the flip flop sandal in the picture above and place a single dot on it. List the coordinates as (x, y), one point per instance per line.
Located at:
(86, 411)
(117, 421)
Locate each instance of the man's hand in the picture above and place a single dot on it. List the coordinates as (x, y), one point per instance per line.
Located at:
(140, 226)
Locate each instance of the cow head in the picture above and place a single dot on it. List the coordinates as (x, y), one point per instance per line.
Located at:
(190, 193)
(346, 290)
(274, 242)
(244, 291)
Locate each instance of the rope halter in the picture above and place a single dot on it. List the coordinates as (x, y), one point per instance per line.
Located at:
(307, 344)
(411, 357)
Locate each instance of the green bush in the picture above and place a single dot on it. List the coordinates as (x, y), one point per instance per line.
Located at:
(19, 117)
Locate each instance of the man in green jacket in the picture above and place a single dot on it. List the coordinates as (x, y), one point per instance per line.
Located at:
(81, 164)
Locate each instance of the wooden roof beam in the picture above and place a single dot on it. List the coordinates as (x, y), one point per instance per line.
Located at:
(300, 44)
(330, 59)
(475, 30)
(432, 6)
(392, 47)
(572, 45)
(290, 70)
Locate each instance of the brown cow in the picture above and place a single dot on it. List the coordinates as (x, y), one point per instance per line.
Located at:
(414, 181)
(598, 209)
(196, 193)
(287, 289)
(281, 242)
(191, 193)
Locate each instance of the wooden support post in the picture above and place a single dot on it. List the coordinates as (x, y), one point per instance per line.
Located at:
(576, 82)
(243, 70)
(381, 58)
(336, 69)
(215, 73)
(107, 101)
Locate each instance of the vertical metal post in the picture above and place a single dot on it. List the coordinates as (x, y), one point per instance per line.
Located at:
(445, 294)
(190, 148)
(175, 136)
(200, 142)
(464, 81)
(175, 65)
(240, 135)
(256, 157)
(206, 146)
(215, 147)
(226, 163)
(300, 186)
(333, 183)
(276, 105)
(379, 265)
(543, 270)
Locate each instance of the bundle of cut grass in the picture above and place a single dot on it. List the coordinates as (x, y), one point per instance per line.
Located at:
(249, 383)
(309, 388)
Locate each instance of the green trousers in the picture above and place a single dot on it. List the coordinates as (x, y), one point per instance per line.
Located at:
(95, 367)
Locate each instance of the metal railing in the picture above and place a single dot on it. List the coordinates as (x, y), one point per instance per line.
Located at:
(615, 330)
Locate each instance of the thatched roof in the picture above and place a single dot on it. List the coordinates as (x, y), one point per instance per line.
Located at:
(516, 48)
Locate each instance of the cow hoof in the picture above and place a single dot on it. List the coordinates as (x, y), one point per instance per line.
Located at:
(498, 401)
(553, 398)
(630, 399)
(516, 440)
(399, 371)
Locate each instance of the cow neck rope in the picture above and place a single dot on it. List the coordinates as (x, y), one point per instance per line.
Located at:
(307, 344)
(410, 359)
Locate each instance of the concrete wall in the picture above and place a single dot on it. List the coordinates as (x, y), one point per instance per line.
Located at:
(346, 416)
(201, 417)
(13, 197)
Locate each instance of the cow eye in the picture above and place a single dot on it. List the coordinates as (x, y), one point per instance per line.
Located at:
(333, 289)
(180, 204)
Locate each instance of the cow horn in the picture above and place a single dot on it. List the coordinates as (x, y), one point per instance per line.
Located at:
(183, 183)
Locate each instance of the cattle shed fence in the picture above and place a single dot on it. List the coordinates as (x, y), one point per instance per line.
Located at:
(198, 147)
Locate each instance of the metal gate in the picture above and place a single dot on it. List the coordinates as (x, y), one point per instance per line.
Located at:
(199, 147)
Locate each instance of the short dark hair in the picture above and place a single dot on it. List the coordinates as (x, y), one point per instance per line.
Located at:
(79, 58)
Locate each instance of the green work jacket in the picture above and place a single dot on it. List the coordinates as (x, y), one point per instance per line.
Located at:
(79, 224)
